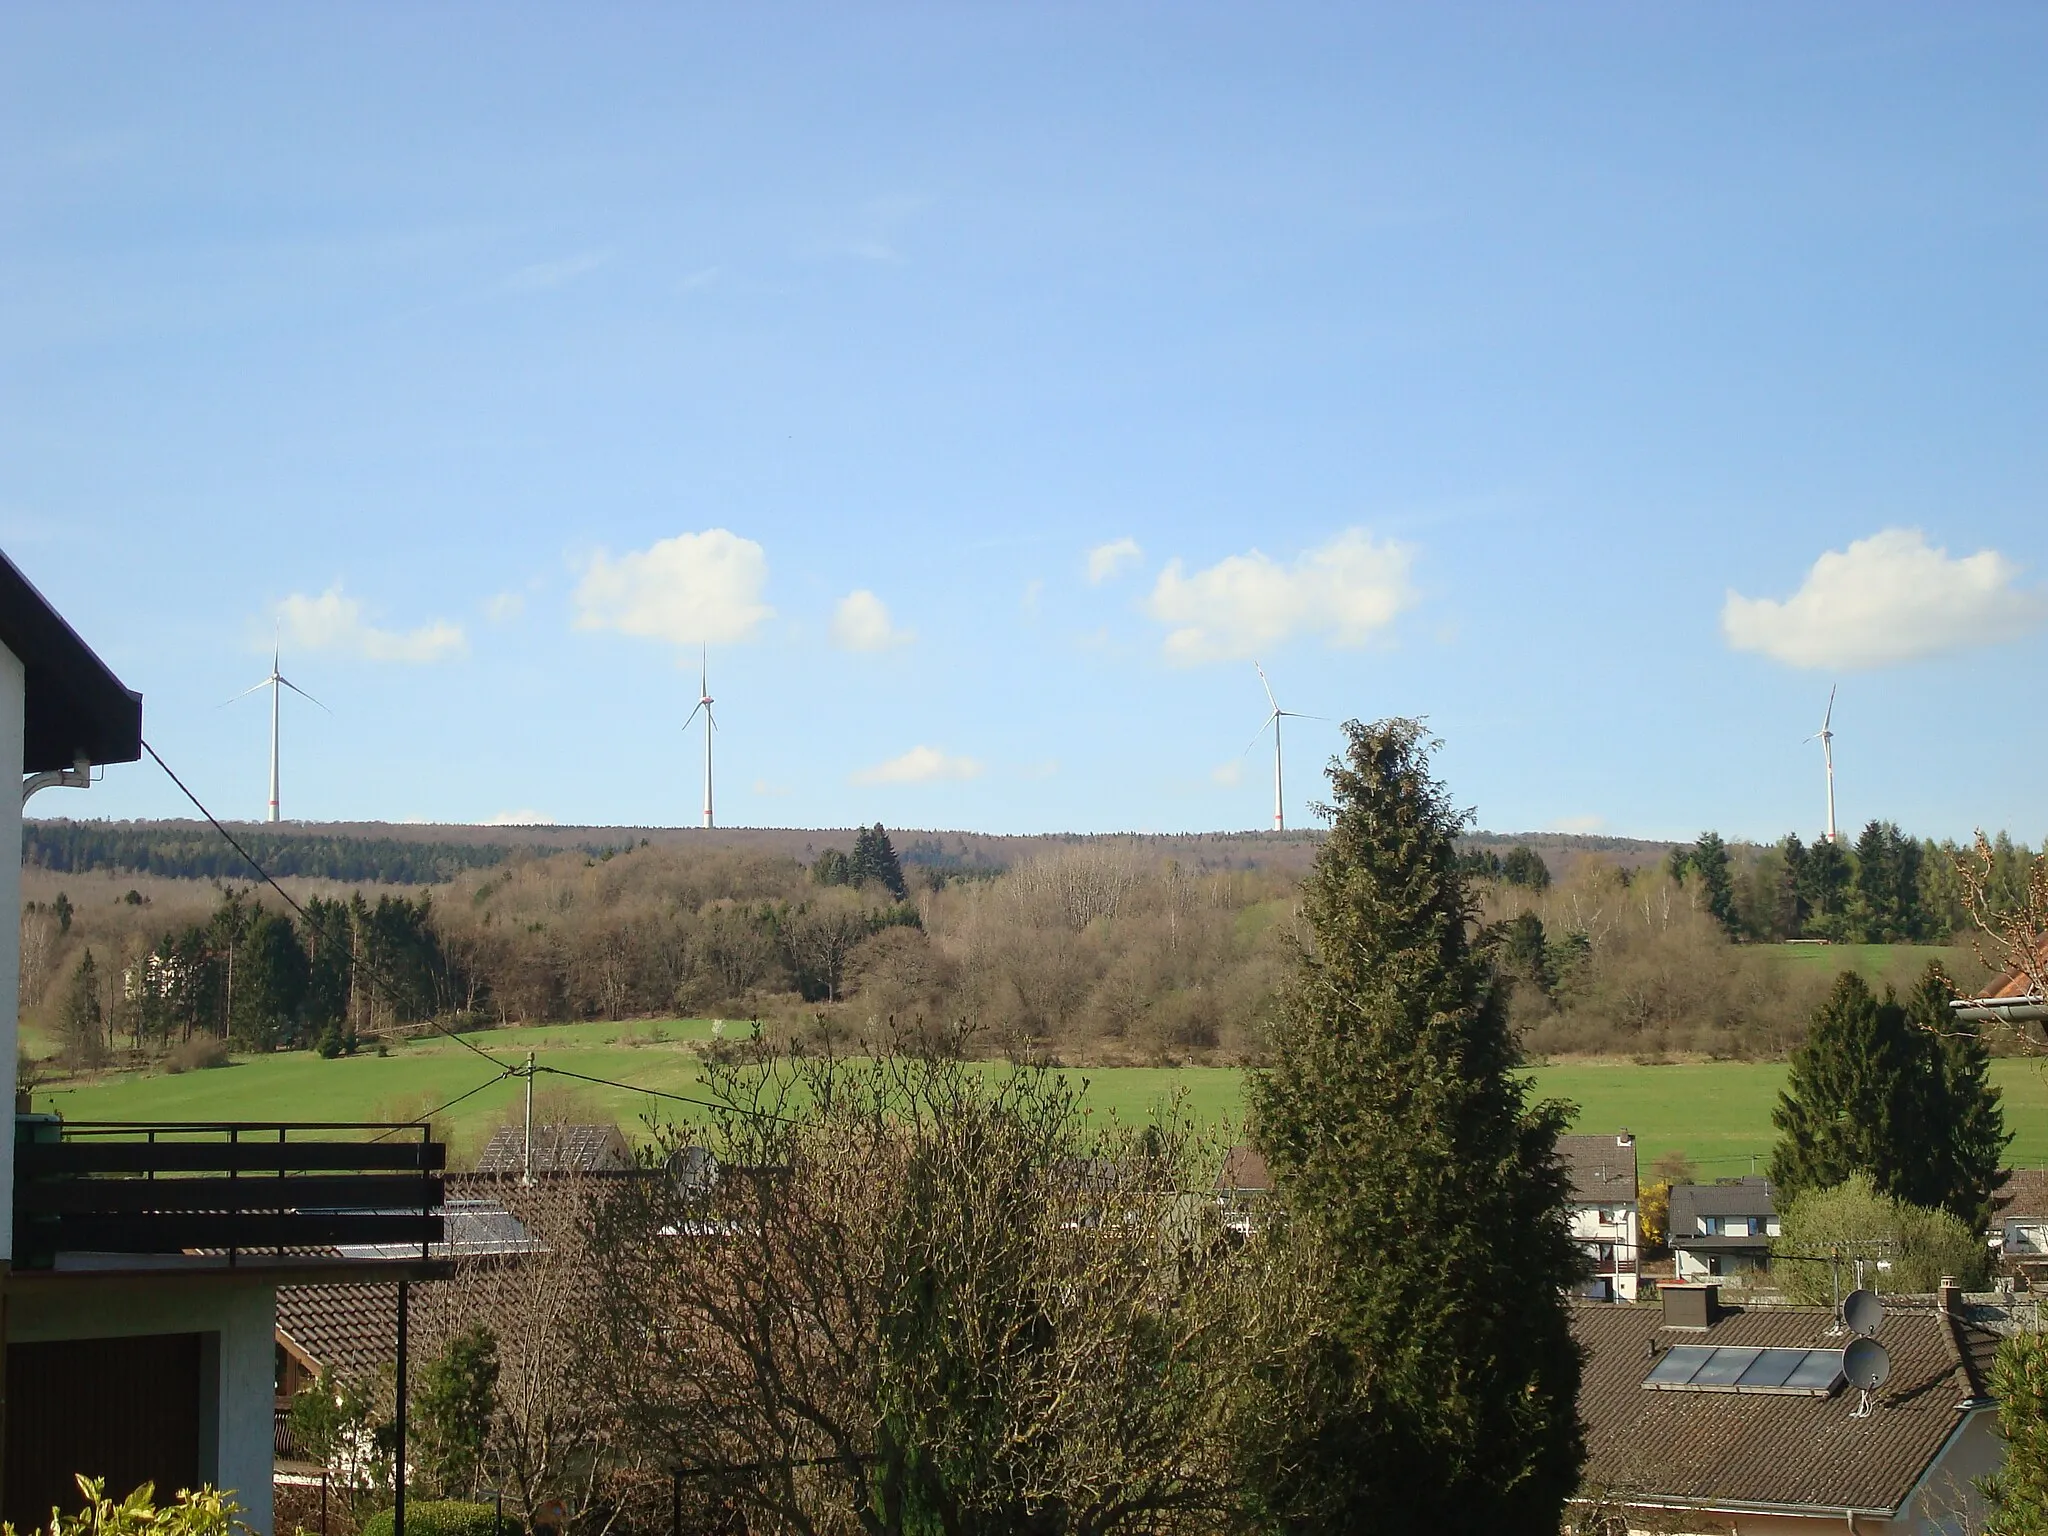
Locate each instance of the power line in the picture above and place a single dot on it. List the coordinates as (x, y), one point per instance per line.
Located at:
(391, 990)
(659, 1093)
(423, 1119)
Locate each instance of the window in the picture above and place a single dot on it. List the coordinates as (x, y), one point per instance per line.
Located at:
(1606, 1218)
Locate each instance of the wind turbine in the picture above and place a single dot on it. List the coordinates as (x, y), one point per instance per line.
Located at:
(1826, 738)
(710, 725)
(1274, 719)
(276, 682)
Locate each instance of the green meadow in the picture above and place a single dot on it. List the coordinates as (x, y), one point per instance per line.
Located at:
(1717, 1112)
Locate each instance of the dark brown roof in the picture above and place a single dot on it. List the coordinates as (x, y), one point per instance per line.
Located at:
(353, 1329)
(74, 705)
(1244, 1171)
(556, 1149)
(1602, 1168)
(2023, 1194)
(2017, 982)
(1793, 1452)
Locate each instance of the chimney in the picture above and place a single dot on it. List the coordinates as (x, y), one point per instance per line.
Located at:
(1691, 1306)
(1951, 1296)
(1623, 1138)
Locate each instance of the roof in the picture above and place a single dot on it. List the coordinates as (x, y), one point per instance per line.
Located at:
(471, 1229)
(352, 1330)
(75, 705)
(556, 1149)
(2022, 1195)
(2018, 983)
(1602, 1168)
(1244, 1171)
(1735, 1197)
(1716, 1449)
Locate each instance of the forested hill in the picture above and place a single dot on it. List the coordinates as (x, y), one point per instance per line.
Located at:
(416, 854)
(194, 851)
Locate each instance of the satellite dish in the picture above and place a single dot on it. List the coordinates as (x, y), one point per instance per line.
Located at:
(694, 1171)
(1863, 1313)
(1866, 1364)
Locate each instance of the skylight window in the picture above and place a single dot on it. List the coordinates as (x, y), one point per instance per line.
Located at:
(1744, 1368)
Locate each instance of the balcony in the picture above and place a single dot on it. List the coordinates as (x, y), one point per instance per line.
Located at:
(104, 1197)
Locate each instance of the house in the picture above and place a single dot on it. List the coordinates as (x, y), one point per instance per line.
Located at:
(1243, 1184)
(556, 1149)
(1722, 1230)
(139, 1264)
(1705, 1418)
(2019, 1217)
(1606, 1211)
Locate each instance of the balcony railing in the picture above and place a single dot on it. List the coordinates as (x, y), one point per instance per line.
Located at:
(226, 1190)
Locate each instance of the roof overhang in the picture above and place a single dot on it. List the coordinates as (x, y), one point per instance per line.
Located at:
(75, 707)
(2012, 1010)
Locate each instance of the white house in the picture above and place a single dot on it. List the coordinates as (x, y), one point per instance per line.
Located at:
(1722, 1231)
(139, 1264)
(1606, 1211)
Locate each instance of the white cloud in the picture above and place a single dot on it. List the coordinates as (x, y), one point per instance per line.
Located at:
(519, 819)
(1579, 824)
(1886, 599)
(505, 607)
(1228, 774)
(334, 622)
(920, 765)
(1105, 560)
(694, 589)
(861, 623)
(1347, 591)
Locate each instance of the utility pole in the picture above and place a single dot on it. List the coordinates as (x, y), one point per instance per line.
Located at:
(526, 1174)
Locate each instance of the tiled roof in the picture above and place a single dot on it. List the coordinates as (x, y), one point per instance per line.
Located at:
(1602, 1168)
(1749, 1197)
(2022, 1196)
(353, 1329)
(556, 1149)
(1795, 1452)
(1244, 1171)
(2016, 982)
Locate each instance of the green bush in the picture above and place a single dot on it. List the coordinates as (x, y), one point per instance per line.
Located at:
(205, 1513)
(1857, 1222)
(442, 1517)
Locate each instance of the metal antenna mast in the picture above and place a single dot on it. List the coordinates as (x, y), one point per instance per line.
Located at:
(710, 725)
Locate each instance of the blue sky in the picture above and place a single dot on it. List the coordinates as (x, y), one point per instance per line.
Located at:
(990, 386)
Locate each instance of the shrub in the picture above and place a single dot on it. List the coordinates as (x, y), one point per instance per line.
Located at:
(1857, 1222)
(205, 1513)
(443, 1517)
(199, 1054)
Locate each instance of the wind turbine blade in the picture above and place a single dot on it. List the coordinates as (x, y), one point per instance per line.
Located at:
(1260, 732)
(1295, 714)
(693, 714)
(252, 688)
(295, 688)
(1824, 719)
(1267, 686)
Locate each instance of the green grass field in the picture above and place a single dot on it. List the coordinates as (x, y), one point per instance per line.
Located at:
(1717, 1112)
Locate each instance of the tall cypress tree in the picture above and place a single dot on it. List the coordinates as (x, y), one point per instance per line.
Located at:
(1403, 1148)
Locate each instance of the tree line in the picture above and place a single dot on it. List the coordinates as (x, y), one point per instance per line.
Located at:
(197, 852)
(1888, 888)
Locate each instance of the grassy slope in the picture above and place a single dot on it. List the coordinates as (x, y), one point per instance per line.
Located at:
(1719, 1112)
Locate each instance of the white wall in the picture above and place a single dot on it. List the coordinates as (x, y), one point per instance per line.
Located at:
(245, 1318)
(12, 699)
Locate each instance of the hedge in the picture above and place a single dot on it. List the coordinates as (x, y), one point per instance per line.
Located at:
(442, 1517)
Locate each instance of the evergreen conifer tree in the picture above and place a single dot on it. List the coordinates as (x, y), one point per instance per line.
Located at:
(874, 858)
(83, 1019)
(1438, 1392)
(1965, 1136)
(1854, 1099)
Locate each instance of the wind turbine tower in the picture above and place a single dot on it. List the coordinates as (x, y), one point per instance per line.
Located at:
(710, 725)
(1278, 714)
(277, 682)
(1826, 738)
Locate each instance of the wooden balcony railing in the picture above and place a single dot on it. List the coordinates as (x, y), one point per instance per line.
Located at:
(224, 1189)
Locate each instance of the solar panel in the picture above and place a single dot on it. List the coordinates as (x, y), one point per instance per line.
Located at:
(1773, 1368)
(1724, 1367)
(1746, 1368)
(1675, 1366)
